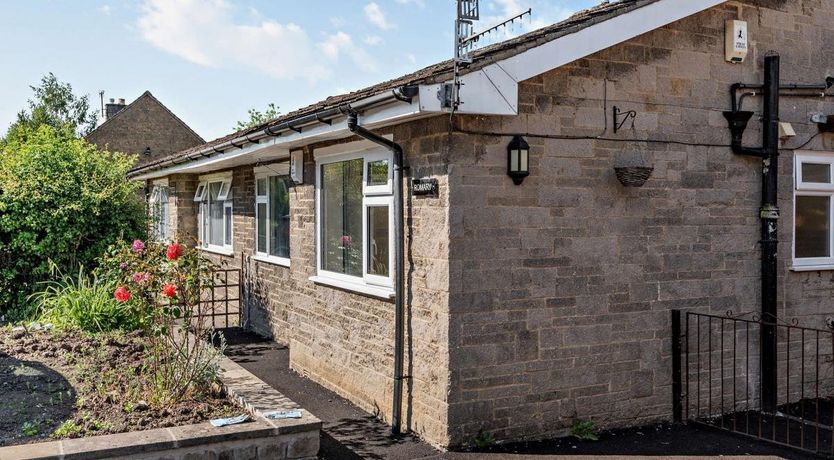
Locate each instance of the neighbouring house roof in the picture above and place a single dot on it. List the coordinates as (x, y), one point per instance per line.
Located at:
(442, 71)
(147, 94)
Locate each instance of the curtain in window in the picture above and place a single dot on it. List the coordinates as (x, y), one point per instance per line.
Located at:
(216, 223)
(279, 217)
(341, 217)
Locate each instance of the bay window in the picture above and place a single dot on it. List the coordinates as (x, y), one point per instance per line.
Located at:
(214, 197)
(813, 211)
(159, 210)
(272, 214)
(354, 218)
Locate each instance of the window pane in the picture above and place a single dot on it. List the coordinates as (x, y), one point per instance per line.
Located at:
(378, 172)
(261, 187)
(262, 227)
(215, 215)
(279, 217)
(341, 217)
(378, 241)
(816, 172)
(228, 221)
(812, 226)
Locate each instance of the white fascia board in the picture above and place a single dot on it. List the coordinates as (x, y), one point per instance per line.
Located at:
(276, 148)
(493, 90)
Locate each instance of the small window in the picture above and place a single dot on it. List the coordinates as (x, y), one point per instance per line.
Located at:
(200, 194)
(159, 209)
(215, 214)
(272, 217)
(813, 217)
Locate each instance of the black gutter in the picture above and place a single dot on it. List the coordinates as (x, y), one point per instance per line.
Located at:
(399, 254)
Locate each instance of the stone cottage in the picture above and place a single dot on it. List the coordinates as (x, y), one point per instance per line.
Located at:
(534, 288)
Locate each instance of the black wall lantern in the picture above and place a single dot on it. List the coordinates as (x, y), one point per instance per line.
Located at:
(147, 151)
(518, 160)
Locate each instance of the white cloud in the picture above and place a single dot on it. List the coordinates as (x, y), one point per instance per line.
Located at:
(411, 58)
(207, 33)
(377, 17)
(372, 40)
(420, 3)
(105, 10)
(341, 43)
(337, 21)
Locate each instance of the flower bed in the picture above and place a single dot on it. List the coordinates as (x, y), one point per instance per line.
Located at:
(57, 385)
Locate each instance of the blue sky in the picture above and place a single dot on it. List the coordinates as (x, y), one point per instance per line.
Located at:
(210, 61)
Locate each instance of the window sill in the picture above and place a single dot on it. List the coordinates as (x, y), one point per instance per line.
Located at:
(812, 268)
(220, 251)
(373, 291)
(272, 260)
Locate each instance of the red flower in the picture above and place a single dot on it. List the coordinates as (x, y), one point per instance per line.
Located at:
(169, 290)
(174, 251)
(122, 294)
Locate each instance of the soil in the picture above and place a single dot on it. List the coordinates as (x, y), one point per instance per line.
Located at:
(85, 385)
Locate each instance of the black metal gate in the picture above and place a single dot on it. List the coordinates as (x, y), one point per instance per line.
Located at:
(717, 379)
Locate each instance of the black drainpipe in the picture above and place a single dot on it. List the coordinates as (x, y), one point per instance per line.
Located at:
(399, 255)
(769, 215)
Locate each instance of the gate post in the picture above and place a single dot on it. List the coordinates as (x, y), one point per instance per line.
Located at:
(677, 396)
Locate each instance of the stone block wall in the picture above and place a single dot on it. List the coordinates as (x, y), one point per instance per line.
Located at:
(342, 339)
(561, 288)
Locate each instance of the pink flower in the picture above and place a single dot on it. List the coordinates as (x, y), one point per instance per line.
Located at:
(138, 246)
(346, 241)
(123, 266)
(169, 290)
(141, 277)
(122, 294)
(174, 251)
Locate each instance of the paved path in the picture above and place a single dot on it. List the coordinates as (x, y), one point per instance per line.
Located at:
(347, 432)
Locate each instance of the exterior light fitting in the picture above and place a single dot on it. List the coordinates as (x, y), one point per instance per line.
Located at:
(518, 159)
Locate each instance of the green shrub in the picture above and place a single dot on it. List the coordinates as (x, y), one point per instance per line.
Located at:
(586, 430)
(84, 302)
(61, 199)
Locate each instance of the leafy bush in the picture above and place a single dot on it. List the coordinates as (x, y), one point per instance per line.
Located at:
(61, 199)
(164, 285)
(586, 430)
(84, 302)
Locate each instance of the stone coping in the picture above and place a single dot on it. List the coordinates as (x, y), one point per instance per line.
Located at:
(249, 391)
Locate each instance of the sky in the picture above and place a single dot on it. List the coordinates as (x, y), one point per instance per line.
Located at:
(210, 61)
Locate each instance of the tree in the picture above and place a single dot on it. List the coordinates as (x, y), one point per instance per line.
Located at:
(256, 117)
(61, 200)
(55, 105)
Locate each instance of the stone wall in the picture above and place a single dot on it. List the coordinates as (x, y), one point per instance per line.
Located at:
(560, 288)
(342, 339)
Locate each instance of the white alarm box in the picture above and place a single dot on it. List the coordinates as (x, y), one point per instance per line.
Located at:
(736, 41)
(297, 166)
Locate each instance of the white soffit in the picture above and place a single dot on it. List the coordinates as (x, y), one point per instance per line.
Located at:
(493, 90)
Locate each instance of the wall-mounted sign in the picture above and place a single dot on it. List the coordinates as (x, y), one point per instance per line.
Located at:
(424, 187)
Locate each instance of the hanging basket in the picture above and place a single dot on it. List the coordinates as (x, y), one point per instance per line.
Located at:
(633, 176)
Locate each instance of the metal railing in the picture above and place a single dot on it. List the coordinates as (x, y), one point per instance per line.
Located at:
(717, 379)
(222, 303)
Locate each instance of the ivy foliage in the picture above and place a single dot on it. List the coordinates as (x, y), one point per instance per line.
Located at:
(61, 200)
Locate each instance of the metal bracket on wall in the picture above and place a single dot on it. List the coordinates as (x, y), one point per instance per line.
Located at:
(622, 117)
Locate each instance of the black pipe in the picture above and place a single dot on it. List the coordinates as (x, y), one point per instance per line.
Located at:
(399, 254)
(769, 214)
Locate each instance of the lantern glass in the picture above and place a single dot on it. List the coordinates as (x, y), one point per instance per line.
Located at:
(523, 160)
(514, 157)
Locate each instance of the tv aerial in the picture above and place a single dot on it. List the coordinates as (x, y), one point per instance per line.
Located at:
(466, 41)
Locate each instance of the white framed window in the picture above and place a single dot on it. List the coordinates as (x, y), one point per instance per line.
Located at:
(160, 212)
(272, 214)
(813, 211)
(214, 195)
(354, 221)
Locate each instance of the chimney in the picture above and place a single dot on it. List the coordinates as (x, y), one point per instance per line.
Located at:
(113, 107)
